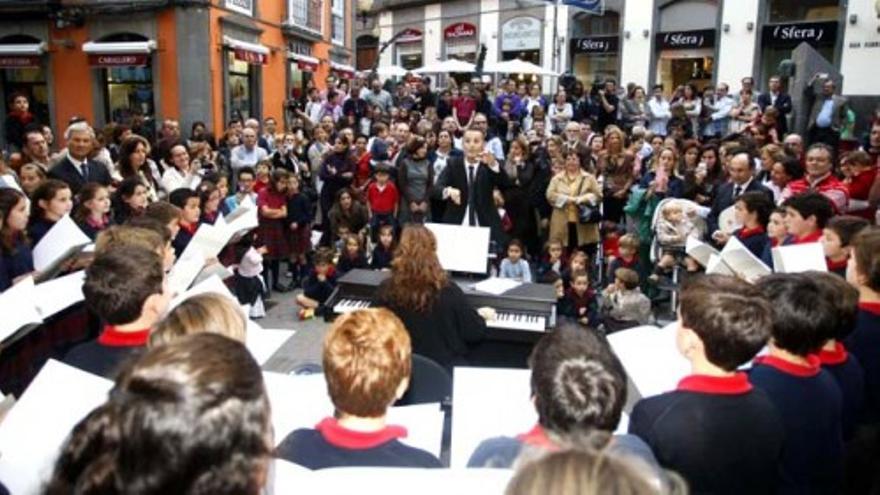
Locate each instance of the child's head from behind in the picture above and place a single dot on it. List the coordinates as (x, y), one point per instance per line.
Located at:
(580, 281)
(204, 313)
(863, 270)
(367, 362)
(578, 385)
(838, 234)
(803, 317)
(165, 213)
(626, 278)
(843, 296)
(123, 286)
(723, 319)
(514, 250)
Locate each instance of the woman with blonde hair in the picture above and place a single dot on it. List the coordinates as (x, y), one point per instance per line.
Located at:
(205, 313)
(568, 191)
(441, 322)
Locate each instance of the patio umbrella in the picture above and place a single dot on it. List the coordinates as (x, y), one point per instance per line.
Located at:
(517, 66)
(445, 67)
(391, 71)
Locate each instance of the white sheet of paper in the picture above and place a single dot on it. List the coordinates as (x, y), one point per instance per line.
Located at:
(59, 294)
(743, 262)
(496, 285)
(37, 426)
(212, 285)
(460, 248)
(487, 403)
(290, 478)
(208, 240)
(185, 271)
(650, 357)
(244, 218)
(64, 235)
(699, 250)
(798, 258)
(220, 220)
(716, 265)
(264, 343)
(17, 305)
(301, 401)
(727, 221)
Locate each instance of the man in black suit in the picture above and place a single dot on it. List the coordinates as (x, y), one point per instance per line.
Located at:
(76, 168)
(466, 185)
(781, 101)
(741, 181)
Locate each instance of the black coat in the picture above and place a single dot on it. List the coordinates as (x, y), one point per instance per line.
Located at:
(724, 200)
(66, 171)
(783, 104)
(485, 181)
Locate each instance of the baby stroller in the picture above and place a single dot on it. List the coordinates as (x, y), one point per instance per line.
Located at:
(697, 215)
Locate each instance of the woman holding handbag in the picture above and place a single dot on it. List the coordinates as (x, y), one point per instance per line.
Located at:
(575, 196)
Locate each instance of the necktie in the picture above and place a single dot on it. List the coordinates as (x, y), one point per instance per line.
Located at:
(737, 191)
(472, 215)
(84, 168)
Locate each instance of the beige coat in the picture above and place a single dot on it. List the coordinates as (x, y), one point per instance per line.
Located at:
(583, 189)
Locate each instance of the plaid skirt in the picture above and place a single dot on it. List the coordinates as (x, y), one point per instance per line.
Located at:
(300, 240)
(273, 235)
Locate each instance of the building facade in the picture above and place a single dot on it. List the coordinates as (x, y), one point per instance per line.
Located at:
(191, 60)
(670, 42)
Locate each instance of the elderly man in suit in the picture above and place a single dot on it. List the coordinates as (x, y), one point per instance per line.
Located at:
(76, 168)
(741, 181)
(827, 113)
(467, 184)
(778, 99)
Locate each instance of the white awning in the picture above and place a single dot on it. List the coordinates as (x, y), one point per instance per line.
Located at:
(341, 67)
(23, 49)
(303, 58)
(119, 47)
(244, 45)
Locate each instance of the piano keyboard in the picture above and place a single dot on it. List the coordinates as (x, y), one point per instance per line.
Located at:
(349, 305)
(518, 321)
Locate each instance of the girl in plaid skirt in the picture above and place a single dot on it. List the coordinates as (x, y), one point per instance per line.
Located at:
(272, 203)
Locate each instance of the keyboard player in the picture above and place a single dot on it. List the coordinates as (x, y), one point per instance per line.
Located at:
(442, 324)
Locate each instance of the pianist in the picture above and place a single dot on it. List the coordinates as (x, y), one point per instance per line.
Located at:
(441, 322)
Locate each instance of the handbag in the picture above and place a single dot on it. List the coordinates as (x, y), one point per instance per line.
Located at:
(587, 213)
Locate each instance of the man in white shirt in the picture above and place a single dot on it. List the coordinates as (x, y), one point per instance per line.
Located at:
(247, 154)
(722, 106)
(658, 110)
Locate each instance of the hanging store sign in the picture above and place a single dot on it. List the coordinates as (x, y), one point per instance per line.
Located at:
(410, 36)
(794, 33)
(596, 44)
(245, 7)
(253, 58)
(19, 61)
(118, 60)
(521, 33)
(459, 31)
(678, 40)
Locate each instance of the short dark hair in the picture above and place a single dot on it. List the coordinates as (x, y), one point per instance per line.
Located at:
(577, 382)
(162, 211)
(843, 296)
(729, 315)
(118, 282)
(757, 202)
(846, 227)
(179, 197)
(245, 170)
(793, 168)
(803, 317)
(812, 204)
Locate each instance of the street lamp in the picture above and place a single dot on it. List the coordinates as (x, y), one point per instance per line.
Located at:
(365, 8)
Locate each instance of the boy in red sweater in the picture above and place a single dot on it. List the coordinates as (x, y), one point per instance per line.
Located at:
(382, 198)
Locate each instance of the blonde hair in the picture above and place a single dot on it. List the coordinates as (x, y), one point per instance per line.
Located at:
(205, 313)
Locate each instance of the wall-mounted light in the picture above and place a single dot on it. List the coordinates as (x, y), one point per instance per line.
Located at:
(626, 34)
(646, 33)
(750, 26)
(726, 28)
(853, 19)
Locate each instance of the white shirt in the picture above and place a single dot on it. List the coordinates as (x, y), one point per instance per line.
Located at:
(172, 179)
(660, 115)
(241, 157)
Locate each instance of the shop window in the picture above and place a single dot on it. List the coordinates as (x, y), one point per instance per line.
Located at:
(338, 10)
(366, 52)
(129, 92)
(29, 81)
(803, 10)
(241, 84)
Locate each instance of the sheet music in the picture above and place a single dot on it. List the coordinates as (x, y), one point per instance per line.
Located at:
(208, 241)
(798, 258)
(496, 285)
(184, 272)
(59, 294)
(716, 265)
(727, 221)
(487, 403)
(301, 401)
(212, 285)
(650, 357)
(264, 343)
(37, 426)
(63, 236)
(460, 248)
(17, 305)
(743, 262)
(699, 250)
(244, 218)
(213, 270)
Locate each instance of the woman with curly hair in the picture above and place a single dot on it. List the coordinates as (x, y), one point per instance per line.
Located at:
(160, 430)
(441, 322)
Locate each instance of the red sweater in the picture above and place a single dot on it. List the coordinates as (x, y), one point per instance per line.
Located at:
(382, 201)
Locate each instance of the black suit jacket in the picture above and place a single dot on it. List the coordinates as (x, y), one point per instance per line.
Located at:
(724, 200)
(485, 181)
(66, 171)
(783, 104)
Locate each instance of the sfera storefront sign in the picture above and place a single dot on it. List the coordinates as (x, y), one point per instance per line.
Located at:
(795, 33)
(596, 44)
(680, 40)
(459, 31)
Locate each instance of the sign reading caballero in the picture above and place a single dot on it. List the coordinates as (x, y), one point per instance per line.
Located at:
(460, 30)
(596, 44)
(795, 33)
(676, 40)
(118, 60)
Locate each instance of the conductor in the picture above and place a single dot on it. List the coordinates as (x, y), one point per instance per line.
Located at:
(467, 184)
